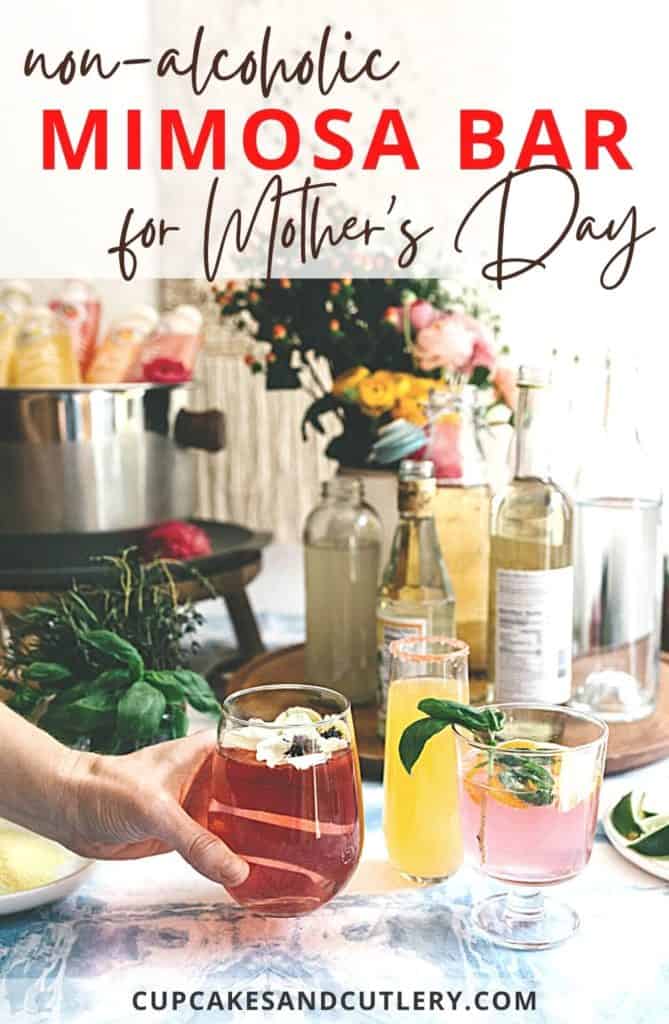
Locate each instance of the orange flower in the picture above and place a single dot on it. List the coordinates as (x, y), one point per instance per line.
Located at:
(279, 332)
(334, 326)
(411, 409)
(334, 288)
(254, 296)
(284, 282)
(346, 281)
(346, 384)
(270, 357)
(249, 359)
(403, 384)
(422, 386)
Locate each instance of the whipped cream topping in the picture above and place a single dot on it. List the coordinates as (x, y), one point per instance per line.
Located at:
(302, 741)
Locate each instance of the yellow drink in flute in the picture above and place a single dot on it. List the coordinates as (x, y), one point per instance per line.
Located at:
(421, 817)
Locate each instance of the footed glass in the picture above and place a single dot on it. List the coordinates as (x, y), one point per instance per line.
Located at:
(529, 805)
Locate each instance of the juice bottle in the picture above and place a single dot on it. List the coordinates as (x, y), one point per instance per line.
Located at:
(43, 356)
(415, 598)
(168, 355)
(421, 816)
(531, 567)
(113, 359)
(15, 297)
(80, 306)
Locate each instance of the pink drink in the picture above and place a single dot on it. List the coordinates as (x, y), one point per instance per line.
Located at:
(169, 354)
(518, 842)
(299, 829)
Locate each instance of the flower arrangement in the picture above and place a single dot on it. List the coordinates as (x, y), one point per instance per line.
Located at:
(388, 343)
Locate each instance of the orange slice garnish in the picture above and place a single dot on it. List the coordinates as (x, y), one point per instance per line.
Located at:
(492, 785)
(518, 745)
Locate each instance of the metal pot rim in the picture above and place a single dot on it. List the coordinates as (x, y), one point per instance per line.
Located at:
(138, 387)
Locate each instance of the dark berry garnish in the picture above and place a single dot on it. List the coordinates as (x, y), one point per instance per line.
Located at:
(301, 745)
(332, 733)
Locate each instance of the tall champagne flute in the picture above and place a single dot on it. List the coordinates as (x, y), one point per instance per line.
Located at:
(421, 819)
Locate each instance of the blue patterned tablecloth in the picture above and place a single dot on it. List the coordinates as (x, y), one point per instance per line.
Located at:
(156, 925)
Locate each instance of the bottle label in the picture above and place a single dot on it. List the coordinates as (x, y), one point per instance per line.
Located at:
(533, 635)
(389, 628)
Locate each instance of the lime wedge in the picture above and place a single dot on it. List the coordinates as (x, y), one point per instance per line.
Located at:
(655, 840)
(297, 716)
(625, 817)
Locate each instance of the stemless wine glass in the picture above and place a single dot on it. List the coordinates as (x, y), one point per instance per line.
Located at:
(529, 812)
(421, 820)
(286, 795)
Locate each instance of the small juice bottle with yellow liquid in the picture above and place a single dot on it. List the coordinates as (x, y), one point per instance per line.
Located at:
(15, 297)
(43, 355)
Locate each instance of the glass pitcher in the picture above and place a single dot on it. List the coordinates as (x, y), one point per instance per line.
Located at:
(617, 563)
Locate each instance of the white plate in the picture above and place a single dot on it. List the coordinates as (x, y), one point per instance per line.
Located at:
(657, 866)
(72, 873)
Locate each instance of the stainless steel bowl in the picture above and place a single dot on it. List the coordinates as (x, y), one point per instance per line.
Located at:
(99, 459)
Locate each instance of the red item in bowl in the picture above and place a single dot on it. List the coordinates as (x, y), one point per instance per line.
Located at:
(163, 370)
(176, 540)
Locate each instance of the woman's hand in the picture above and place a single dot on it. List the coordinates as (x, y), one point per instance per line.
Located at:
(149, 802)
(114, 807)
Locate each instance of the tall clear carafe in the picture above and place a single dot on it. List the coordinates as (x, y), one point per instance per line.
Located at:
(531, 569)
(617, 562)
(342, 552)
(462, 517)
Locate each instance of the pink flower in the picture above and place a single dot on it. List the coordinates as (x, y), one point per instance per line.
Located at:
(455, 342)
(504, 383)
(421, 314)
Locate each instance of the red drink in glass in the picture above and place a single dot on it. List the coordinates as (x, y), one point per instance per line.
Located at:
(297, 820)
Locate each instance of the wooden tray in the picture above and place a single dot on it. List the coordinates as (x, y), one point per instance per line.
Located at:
(630, 745)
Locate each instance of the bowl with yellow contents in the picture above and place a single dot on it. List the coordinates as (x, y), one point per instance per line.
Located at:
(35, 871)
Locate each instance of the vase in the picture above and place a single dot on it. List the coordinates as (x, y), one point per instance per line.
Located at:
(462, 514)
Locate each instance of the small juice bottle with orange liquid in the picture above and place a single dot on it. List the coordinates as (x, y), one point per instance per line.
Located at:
(113, 359)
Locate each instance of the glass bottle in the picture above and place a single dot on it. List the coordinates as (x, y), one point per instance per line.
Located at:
(617, 563)
(15, 298)
(342, 552)
(123, 341)
(462, 514)
(79, 305)
(416, 595)
(43, 354)
(169, 354)
(531, 572)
